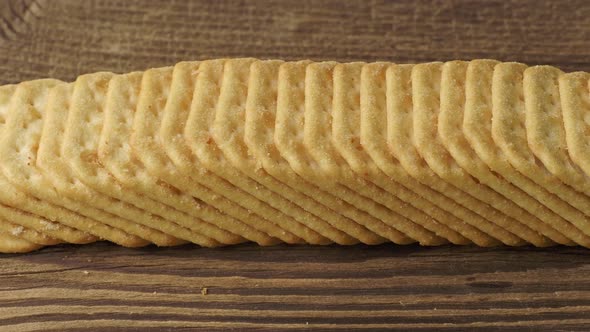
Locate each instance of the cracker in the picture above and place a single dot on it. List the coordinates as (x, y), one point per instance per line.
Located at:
(346, 109)
(229, 129)
(203, 144)
(228, 132)
(172, 126)
(450, 128)
(18, 207)
(400, 141)
(380, 90)
(356, 88)
(509, 133)
(213, 159)
(289, 139)
(477, 125)
(544, 126)
(53, 230)
(80, 149)
(223, 170)
(575, 104)
(426, 86)
(146, 147)
(19, 150)
(50, 162)
(545, 129)
(114, 152)
(260, 118)
(10, 244)
(332, 167)
(26, 234)
(259, 133)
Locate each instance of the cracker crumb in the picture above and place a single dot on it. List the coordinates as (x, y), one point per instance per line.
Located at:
(86, 272)
(16, 231)
(48, 225)
(204, 291)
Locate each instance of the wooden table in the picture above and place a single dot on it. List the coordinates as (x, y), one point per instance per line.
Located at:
(106, 288)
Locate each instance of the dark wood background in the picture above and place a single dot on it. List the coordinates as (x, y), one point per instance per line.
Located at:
(107, 288)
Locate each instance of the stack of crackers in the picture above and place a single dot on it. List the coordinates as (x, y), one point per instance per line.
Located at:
(227, 151)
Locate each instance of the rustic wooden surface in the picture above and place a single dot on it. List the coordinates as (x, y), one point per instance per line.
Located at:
(102, 287)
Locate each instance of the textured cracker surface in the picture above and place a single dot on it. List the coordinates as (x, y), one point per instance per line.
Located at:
(426, 86)
(477, 129)
(450, 122)
(355, 152)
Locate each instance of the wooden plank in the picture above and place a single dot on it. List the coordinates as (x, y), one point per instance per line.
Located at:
(330, 288)
(104, 287)
(63, 39)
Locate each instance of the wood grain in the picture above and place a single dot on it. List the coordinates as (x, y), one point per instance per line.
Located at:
(63, 39)
(328, 288)
(103, 287)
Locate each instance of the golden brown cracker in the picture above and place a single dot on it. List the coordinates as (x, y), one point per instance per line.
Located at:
(426, 86)
(289, 139)
(26, 234)
(10, 244)
(261, 105)
(332, 167)
(259, 132)
(260, 120)
(544, 126)
(450, 128)
(346, 114)
(447, 211)
(25, 218)
(147, 148)
(400, 140)
(228, 132)
(575, 103)
(378, 94)
(51, 164)
(80, 149)
(114, 152)
(10, 197)
(19, 146)
(171, 159)
(211, 157)
(545, 129)
(509, 132)
(477, 126)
